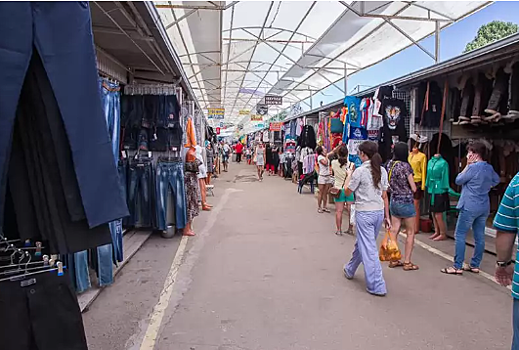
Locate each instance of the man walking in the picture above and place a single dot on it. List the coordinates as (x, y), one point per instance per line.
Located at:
(507, 224)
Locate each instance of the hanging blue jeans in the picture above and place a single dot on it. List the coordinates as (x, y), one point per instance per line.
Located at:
(369, 224)
(110, 102)
(82, 276)
(139, 193)
(467, 220)
(61, 32)
(170, 175)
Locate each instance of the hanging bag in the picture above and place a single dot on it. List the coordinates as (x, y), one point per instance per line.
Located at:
(389, 250)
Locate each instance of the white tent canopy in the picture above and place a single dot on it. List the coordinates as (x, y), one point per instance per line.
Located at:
(235, 53)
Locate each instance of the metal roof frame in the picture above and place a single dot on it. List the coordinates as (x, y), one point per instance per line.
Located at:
(501, 50)
(286, 49)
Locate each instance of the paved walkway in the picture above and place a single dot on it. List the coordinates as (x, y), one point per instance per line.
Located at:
(265, 273)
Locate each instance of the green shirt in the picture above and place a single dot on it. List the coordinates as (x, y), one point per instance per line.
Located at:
(437, 181)
(507, 220)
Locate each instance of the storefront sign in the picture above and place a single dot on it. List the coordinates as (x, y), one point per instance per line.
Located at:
(244, 112)
(256, 118)
(260, 126)
(262, 109)
(276, 126)
(215, 113)
(273, 100)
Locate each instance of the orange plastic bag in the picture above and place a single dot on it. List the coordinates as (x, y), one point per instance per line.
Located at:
(389, 249)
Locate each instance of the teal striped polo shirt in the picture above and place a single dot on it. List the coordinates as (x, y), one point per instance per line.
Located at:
(507, 220)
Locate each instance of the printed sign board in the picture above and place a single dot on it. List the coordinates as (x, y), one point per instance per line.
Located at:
(215, 113)
(273, 100)
(276, 126)
(244, 112)
(256, 118)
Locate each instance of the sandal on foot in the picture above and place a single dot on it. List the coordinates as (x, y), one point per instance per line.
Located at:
(471, 269)
(350, 232)
(410, 267)
(394, 264)
(451, 270)
(320, 211)
(338, 233)
(326, 210)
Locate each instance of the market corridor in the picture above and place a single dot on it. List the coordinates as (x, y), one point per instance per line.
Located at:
(265, 272)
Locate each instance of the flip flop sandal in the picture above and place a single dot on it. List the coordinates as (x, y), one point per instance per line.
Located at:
(451, 270)
(471, 269)
(326, 210)
(394, 264)
(320, 211)
(338, 233)
(410, 267)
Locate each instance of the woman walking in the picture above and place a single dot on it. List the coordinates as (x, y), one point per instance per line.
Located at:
(259, 156)
(476, 179)
(323, 181)
(340, 168)
(369, 183)
(401, 206)
(269, 159)
(210, 161)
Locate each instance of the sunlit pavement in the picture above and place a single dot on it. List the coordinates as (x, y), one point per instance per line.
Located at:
(265, 272)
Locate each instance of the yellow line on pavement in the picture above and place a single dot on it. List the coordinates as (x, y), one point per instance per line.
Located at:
(159, 310)
(157, 315)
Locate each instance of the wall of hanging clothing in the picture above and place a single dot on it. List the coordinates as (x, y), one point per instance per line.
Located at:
(59, 186)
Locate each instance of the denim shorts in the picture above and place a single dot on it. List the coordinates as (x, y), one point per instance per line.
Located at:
(402, 210)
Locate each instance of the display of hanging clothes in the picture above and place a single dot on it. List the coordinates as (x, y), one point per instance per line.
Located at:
(437, 179)
(105, 256)
(393, 130)
(307, 137)
(141, 191)
(170, 178)
(54, 145)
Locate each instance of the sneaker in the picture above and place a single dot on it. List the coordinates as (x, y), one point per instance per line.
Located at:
(346, 274)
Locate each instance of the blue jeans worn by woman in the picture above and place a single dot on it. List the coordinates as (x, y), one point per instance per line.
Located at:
(515, 324)
(467, 220)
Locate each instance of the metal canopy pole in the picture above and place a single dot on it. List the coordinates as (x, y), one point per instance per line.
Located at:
(437, 42)
(345, 79)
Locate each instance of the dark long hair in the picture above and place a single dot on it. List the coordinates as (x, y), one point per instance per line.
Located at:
(401, 152)
(370, 149)
(319, 150)
(343, 155)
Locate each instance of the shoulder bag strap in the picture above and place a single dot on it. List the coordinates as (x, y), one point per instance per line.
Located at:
(391, 170)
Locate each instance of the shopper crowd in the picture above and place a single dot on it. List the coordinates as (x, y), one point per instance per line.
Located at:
(389, 194)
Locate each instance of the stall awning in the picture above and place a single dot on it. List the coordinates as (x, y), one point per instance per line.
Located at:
(237, 52)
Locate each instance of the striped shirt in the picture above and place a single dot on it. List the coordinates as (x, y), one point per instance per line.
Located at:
(507, 220)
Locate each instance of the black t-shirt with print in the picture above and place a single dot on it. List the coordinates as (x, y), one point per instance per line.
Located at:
(394, 112)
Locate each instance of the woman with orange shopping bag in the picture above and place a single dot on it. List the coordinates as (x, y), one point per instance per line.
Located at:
(369, 182)
(401, 206)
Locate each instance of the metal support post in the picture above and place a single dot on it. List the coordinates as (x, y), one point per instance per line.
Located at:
(437, 42)
(345, 79)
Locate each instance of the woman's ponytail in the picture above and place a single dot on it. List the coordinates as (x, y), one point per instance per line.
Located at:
(370, 149)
